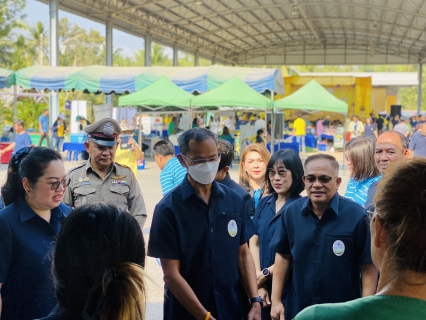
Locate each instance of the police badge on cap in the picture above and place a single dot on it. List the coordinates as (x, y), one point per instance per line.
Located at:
(104, 132)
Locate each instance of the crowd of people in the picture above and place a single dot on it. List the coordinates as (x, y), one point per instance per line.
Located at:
(72, 247)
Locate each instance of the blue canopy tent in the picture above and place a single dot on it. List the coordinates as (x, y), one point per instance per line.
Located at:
(132, 79)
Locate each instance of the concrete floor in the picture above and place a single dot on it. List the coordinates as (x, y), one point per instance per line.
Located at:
(149, 181)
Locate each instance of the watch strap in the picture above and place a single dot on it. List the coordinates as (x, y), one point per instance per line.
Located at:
(255, 299)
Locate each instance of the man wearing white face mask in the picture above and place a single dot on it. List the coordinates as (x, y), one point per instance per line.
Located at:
(200, 232)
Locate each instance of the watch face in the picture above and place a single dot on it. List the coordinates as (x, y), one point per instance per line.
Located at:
(265, 272)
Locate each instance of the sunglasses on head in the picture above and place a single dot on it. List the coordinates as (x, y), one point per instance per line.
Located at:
(322, 179)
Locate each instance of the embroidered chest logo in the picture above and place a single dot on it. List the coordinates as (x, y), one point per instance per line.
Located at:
(232, 228)
(338, 248)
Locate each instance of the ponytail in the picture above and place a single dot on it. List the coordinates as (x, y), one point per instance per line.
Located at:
(27, 163)
(120, 294)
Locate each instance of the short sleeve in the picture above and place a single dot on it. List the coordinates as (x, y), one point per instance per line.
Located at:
(248, 227)
(5, 249)
(163, 239)
(136, 202)
(363, 241)
(412, 142)
(280, 242)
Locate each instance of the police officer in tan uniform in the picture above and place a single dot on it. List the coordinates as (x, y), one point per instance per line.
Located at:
(100, 179)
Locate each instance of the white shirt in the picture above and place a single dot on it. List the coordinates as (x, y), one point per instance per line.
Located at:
(259, 124)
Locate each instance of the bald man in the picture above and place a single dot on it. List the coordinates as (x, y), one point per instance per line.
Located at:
(391, 146)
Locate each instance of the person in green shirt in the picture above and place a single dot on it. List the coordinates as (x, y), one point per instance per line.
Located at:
(398, 249)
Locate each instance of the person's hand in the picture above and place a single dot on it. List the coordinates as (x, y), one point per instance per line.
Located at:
(260, 278)
(255, 312)
(277, 311)
(1, 152)
(131, 141)
(263, 293)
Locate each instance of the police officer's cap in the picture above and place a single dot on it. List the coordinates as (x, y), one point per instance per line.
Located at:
(104, 132)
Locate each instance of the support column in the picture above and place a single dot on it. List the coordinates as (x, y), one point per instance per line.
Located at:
(148, 50)
(108, 45)
(196, 58)
(213, 60)
(54, 100)
(419, 88)
(15, 103)
(175, 55)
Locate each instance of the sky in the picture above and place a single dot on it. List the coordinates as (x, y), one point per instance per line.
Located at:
(36, 11)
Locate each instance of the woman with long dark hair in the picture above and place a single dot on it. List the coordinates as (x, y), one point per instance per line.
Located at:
(98, 266)
(29, 225)
(284, 180)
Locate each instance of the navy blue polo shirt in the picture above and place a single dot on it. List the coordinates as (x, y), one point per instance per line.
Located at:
(206, 240)
(26, 244)
(418, 144)
(248, 200)
(265, 221)
(327, 253)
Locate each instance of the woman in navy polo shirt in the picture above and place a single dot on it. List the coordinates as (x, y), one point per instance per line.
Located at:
(284, 177)
(252, 171)
(36, 183)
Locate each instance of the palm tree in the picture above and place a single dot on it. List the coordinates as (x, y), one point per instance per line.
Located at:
(39, 39)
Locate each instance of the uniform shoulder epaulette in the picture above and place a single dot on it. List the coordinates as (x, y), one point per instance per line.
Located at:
(75, 168)
(123, 165)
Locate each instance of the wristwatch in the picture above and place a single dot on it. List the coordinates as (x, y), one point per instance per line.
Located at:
(256, 299)
(266, 272)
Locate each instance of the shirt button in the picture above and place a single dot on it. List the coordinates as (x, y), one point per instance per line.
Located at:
(215, 271)
(317, 244)
(266, 258)
(211, 230)
(316, 261)
(213, 251)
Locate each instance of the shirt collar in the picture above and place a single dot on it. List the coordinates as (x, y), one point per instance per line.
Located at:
(188, 190)
(334, 204)
(226, 180)
(89, 166)
(26, 213)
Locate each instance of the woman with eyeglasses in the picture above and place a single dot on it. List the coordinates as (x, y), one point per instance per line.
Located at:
(284, 174)
(359, 154)
(29, 225)
(252, 171)
(398, 249)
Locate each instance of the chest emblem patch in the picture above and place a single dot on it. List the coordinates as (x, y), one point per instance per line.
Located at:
(232, 228)
(338, 248)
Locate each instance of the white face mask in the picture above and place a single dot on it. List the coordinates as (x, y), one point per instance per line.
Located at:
(204, 173)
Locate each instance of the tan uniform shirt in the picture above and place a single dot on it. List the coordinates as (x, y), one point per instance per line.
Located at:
(119, 188)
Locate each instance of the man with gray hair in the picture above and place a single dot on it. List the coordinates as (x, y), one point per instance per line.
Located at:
(172, 172)
(328, 255)
(102, 180)
(391, 146)
(200, 232)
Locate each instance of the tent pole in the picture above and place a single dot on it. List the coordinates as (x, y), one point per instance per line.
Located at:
(272, 123)
(140, 128)
(344, 143)
(15, 103)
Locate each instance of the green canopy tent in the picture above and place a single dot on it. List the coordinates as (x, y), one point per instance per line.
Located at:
(232, 93)
(160, 95)
(314, 97)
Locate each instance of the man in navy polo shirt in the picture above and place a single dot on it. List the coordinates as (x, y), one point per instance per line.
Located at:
(200, 232)
(418, 142)
(327, 239)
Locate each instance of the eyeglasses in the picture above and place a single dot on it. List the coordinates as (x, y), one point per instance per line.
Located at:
(195, 162)
(322, 179)
(55, 185)
(281, 173)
